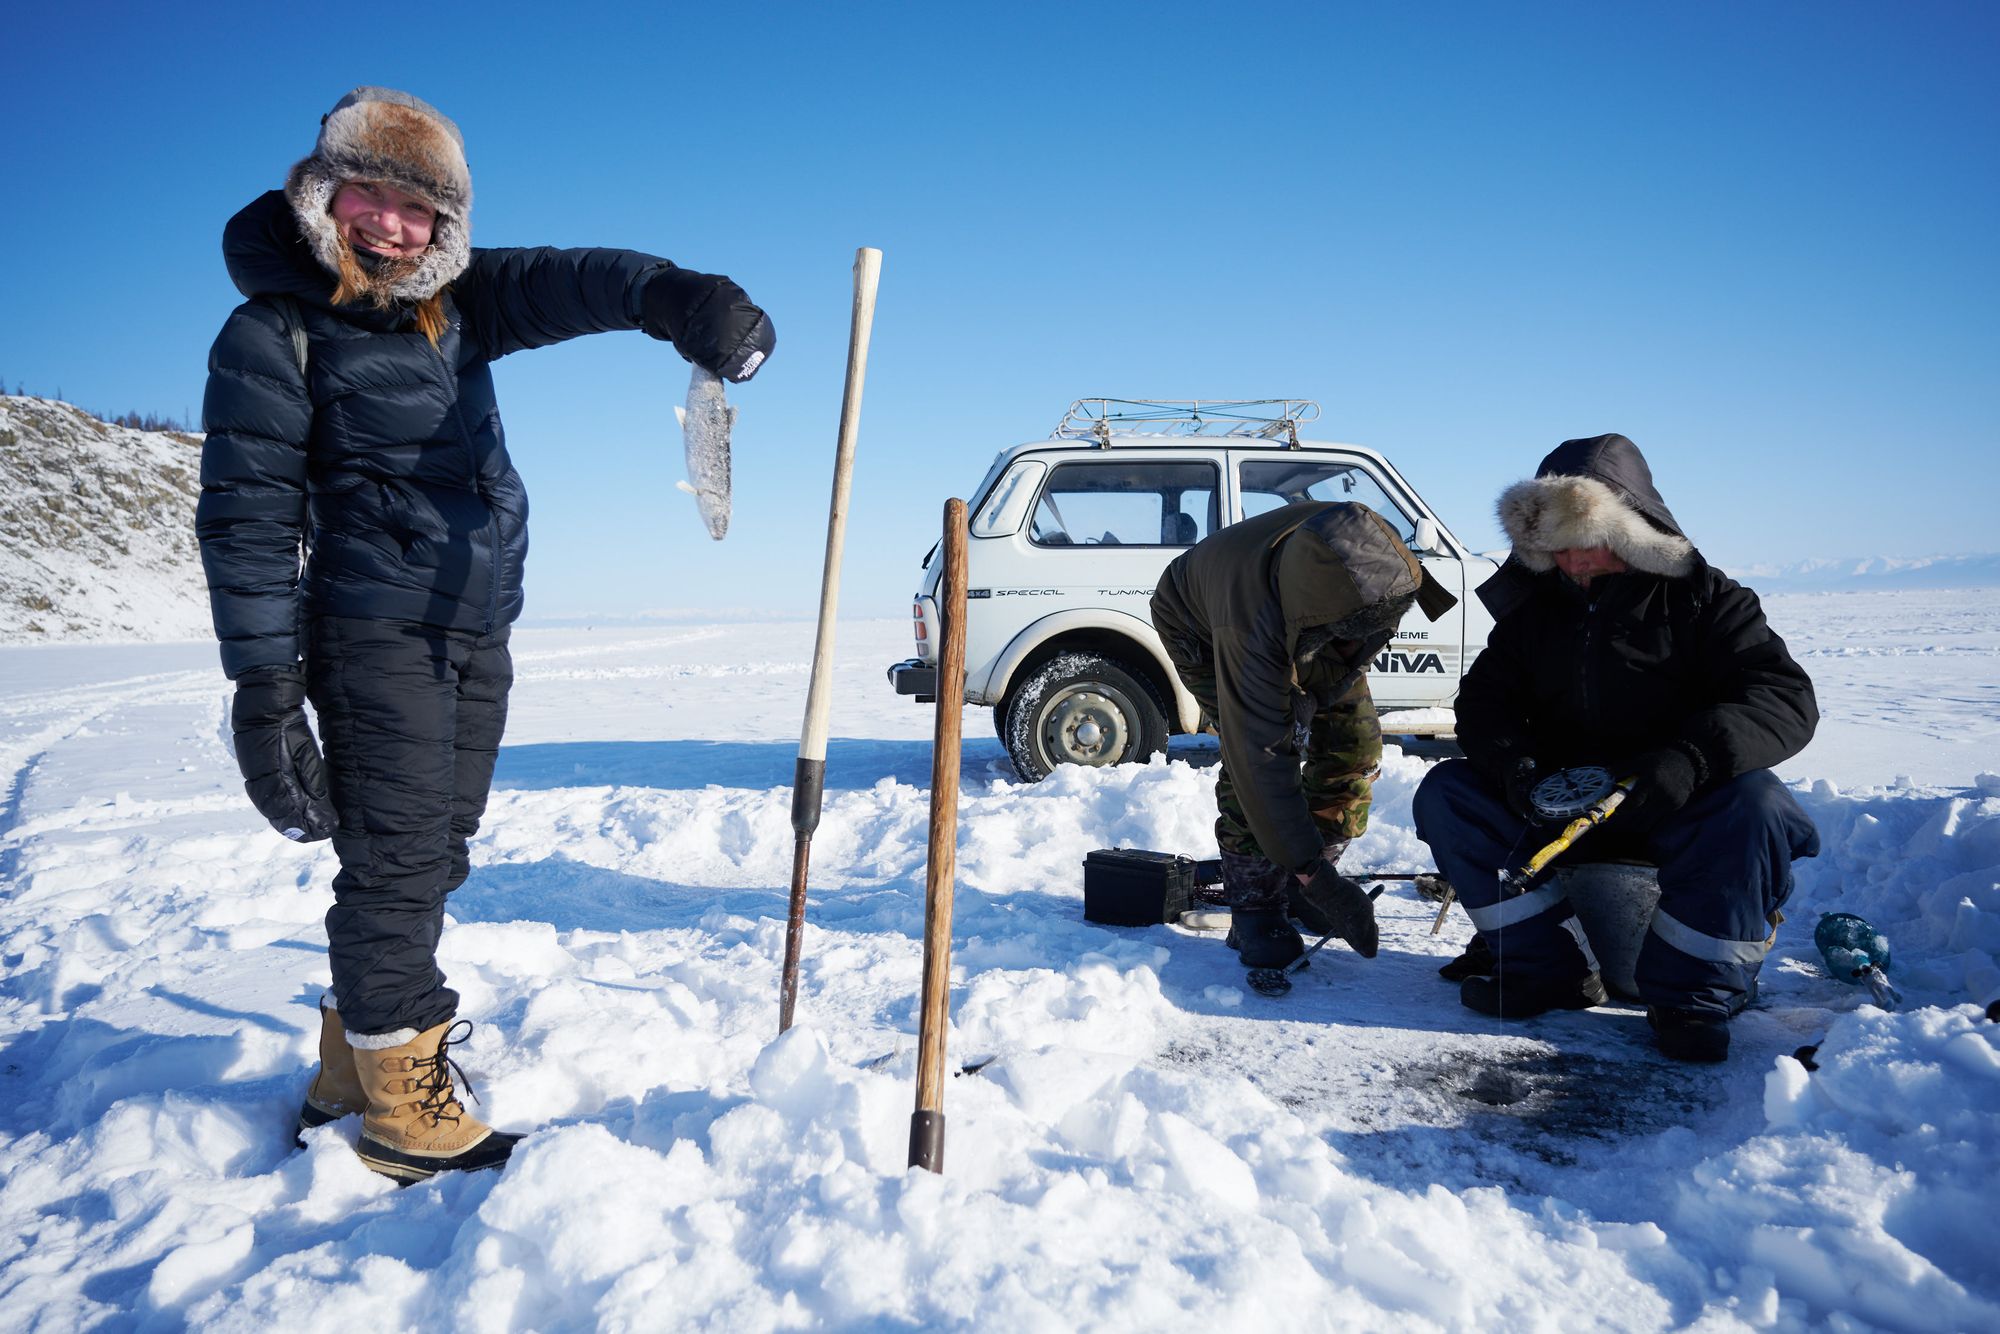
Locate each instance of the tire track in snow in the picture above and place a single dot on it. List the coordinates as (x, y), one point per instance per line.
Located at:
(72, 710)
(103, 694)
(535, 657)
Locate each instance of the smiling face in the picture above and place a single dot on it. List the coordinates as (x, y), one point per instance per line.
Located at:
(381, 220)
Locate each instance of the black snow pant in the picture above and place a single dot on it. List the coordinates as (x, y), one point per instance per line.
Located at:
(410, 717)
(1725, 864)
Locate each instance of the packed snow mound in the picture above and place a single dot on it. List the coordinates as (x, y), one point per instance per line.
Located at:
(1145, 1143)
(100, 528)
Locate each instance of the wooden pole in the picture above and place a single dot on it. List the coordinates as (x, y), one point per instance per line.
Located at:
(934, 1009)
(809, 775)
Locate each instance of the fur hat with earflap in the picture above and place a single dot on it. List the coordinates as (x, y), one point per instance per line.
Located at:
(1595, 492)
(382, 135)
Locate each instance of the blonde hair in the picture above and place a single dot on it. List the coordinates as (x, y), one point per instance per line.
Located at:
(357, 283)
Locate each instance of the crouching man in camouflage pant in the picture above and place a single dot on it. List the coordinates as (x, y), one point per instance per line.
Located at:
(1271, 624)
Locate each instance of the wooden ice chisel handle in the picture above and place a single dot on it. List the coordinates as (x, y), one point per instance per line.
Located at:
(934, 1008)
(867, 274)
(809, 774)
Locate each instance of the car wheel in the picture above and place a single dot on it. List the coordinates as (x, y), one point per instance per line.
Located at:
(1081, 708)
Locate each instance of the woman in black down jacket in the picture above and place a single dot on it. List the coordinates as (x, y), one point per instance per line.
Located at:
(363, 532)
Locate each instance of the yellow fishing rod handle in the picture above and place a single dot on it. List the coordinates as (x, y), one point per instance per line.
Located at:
(1575, 829)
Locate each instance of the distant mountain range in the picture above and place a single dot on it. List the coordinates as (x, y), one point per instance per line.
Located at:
(96, 528)
(1858, 574)
(1872, 572)
(97, 536)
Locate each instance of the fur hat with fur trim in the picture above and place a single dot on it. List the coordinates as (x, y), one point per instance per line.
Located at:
(1595, 492)
(380, 134)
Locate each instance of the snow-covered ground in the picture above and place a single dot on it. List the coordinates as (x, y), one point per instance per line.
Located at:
(1151, 1145)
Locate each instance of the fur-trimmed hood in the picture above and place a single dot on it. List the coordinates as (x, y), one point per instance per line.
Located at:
(380, 134)
(1596, 492)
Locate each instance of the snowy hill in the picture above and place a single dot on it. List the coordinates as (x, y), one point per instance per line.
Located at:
(99, 528)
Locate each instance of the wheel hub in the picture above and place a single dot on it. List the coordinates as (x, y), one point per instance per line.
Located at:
(1086, 726)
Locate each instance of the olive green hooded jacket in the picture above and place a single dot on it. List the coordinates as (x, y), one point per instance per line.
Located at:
(1235, 606)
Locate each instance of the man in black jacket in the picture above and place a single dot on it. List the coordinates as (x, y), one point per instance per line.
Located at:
(1616, 644)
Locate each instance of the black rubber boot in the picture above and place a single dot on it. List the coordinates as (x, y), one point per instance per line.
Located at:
(1262, 938)
(1477, 961)
(1526, 997)
(1690, 1035)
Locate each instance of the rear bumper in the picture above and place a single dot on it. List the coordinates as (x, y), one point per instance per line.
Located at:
(914, 676)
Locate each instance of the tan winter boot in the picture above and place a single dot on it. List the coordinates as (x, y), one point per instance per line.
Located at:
(335, 1090)
(415, 1126)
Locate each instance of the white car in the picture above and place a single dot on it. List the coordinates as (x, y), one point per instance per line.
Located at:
(1069, 535)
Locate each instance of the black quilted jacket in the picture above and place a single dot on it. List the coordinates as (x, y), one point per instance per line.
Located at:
(1638, 661)
(376, 484)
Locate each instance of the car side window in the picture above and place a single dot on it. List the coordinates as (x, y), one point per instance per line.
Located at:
(1268, 483)
(1121, 502)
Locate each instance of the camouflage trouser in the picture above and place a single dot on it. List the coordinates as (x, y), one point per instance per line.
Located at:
(1343, 753)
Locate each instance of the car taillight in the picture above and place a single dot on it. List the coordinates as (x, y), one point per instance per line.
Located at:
(917, 615)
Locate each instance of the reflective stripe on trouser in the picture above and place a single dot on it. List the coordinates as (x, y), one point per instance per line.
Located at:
(410, 717)
(1690, 941)
(1473, 837)
(1514, 908)
(1725, 869)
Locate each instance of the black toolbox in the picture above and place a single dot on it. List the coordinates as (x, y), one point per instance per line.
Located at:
(1133, 887)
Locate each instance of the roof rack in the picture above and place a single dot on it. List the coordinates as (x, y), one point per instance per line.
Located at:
(1249, 418)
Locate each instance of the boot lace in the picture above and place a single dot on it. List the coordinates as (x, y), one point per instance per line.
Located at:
(435, 1077)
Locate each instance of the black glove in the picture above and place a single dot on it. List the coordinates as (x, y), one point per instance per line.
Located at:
(710, 320)
(1518, 787)
(275, 750)
(1330, 904)
(1664, 779)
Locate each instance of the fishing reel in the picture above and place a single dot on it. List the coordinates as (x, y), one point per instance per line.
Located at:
(1567, 793)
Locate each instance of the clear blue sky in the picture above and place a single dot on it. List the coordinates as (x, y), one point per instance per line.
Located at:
(1759, 238)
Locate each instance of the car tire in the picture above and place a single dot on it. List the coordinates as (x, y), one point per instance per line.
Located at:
(1081, 708)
